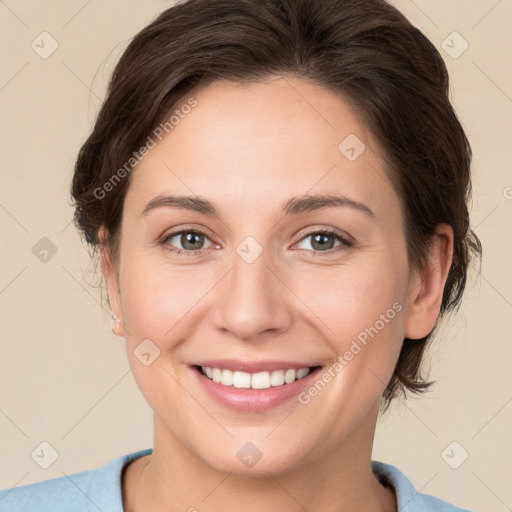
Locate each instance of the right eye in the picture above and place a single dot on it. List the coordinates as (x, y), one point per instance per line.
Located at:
(189, 239)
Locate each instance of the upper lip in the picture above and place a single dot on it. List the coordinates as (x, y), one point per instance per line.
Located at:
(252, 366)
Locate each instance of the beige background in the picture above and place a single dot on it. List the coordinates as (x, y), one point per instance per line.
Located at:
(64, 377)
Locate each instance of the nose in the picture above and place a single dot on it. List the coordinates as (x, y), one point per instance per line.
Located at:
(253, 301)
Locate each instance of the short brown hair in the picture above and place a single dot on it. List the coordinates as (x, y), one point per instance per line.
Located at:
(363, 50)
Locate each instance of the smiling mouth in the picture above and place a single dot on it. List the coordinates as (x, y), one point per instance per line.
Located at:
(258, 380)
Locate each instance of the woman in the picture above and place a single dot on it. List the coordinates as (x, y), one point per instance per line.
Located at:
(277, 191)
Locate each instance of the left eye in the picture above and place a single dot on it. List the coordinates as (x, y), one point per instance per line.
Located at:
(322, 241)
(189, 240)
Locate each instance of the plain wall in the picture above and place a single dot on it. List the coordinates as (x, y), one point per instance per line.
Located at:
(65, 379)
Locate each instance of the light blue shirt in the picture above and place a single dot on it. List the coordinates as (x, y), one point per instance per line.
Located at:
(100, 490)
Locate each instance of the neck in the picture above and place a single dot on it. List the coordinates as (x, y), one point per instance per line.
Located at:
(174, 478)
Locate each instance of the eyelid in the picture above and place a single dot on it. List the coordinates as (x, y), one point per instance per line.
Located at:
(186, 228)
(344, 237)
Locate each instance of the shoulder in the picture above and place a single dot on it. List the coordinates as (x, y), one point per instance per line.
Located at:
(56, 494)
(409, 499)
(79, 492)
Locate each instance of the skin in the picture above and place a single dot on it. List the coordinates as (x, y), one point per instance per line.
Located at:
(248, 149)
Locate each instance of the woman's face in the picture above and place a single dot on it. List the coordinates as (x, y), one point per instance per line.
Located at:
(257, 286)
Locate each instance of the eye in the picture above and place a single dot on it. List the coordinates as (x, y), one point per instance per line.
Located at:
(325, 241)
(191, 241)
(186, 241)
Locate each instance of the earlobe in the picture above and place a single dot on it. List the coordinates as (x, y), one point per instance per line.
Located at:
(115, 326)
(112, 284)
(425, 296)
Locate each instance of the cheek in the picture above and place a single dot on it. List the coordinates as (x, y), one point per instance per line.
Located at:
(158, 308)
(351, 299)
(157, 301)
(360, 309)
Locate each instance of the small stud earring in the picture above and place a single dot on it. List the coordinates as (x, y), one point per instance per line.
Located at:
(117, 321)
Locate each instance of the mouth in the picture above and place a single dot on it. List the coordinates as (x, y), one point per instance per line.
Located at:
(258, 380)
(253, 386)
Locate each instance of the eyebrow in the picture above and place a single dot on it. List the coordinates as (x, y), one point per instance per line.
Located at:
(292, 206)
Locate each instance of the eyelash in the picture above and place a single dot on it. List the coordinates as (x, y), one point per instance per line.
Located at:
(345, 242)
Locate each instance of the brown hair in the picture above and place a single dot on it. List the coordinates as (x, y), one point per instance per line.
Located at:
(364, 50)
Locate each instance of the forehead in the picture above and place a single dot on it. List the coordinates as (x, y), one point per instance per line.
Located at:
(264, 141)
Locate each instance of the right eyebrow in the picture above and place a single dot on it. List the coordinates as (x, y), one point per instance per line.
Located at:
(193, 203)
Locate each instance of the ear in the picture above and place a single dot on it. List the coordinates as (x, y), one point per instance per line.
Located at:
(426, 290)
(112, 282)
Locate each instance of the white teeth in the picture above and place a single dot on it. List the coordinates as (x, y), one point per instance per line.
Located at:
(289, 376)
(259, 380)
(216, 375)
(241, 380)
(227, 378)
(277, 378)
(302, 372)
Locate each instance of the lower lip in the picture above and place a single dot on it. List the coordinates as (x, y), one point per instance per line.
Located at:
(253, 400)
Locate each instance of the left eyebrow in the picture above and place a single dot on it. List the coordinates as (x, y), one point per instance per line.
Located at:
(309, 203)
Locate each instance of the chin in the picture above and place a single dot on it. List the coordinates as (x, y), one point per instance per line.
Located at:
(247, 459)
